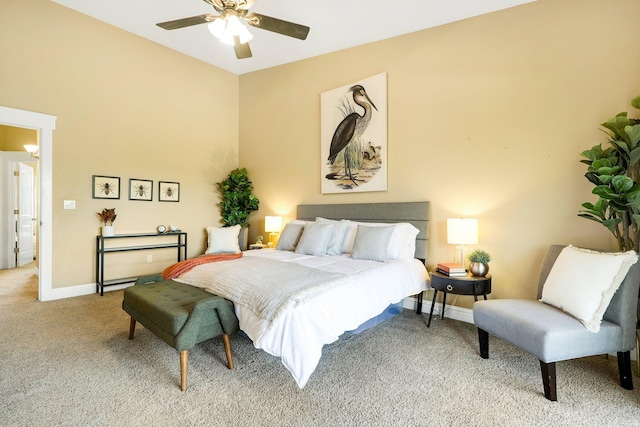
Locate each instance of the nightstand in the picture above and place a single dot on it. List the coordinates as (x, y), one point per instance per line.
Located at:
(465, 285)
(257, 246)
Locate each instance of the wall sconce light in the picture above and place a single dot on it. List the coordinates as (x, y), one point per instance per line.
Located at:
(272, 225)
(32, 149)
(462, 231)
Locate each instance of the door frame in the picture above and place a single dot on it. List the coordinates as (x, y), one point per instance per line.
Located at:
(45, 125)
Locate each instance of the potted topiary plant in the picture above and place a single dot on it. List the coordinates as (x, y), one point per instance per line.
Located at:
(237, 201)
(479, 262)
(107, 216)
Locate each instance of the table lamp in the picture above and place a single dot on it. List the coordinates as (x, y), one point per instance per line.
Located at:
(462, 231)
(272, 225)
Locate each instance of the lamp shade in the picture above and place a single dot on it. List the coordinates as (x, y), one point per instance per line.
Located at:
(272, 224)
(32, 149)
(462, 231)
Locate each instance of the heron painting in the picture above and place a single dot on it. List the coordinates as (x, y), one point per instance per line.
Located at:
(354, 135)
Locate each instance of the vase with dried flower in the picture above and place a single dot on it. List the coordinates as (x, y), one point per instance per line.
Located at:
(107, 216)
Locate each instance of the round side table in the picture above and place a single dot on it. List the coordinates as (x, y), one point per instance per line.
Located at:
(463, 285)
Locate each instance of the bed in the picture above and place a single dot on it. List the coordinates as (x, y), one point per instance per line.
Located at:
(329, 291)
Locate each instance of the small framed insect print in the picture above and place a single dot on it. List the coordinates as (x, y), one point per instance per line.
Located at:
(168, 191)
(106, 187)
(140, 189)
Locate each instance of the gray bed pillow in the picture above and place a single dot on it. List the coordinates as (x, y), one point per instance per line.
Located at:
(372, 243)
(337, 236)
(289, 237)
(315, 239)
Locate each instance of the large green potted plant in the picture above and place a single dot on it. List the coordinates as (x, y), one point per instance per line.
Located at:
(615, 172)
(237, 201)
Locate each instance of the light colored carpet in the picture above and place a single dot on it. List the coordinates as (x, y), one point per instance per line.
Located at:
(69, 362)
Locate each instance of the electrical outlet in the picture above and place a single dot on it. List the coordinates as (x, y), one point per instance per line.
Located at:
(69, 204)
(149, 258)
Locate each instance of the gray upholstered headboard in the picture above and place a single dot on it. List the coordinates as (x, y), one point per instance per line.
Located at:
(416, 213)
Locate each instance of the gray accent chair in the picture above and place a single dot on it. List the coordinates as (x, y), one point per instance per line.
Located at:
(551, 335)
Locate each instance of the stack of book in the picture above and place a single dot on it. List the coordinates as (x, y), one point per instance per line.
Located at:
(451, 269)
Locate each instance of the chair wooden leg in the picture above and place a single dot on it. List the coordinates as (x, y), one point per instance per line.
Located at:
(624, 367)
(227, 350)
(549, 380)
(483, 338)
(132, 327)
(184, 365)
(638, 350)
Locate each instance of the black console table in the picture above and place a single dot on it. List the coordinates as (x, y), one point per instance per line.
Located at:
(178, 241)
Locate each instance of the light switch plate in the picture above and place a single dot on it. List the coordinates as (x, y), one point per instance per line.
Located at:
(69, 204)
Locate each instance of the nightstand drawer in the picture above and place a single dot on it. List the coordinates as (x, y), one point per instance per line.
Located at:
(461, 287)
(468, 285)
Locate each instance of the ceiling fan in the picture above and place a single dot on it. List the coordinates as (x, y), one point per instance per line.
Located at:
(227, 25)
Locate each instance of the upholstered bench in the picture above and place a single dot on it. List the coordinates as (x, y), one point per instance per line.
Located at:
(180, 315)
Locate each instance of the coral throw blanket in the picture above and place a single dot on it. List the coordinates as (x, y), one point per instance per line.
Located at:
(182, 267)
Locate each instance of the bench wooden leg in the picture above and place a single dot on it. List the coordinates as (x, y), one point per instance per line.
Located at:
(227, 350)
(184, 365)
(132, 327)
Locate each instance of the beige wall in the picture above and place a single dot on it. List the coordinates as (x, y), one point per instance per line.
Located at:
(126, 107)
(486, 118)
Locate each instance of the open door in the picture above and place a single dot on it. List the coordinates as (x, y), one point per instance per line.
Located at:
(25, 221)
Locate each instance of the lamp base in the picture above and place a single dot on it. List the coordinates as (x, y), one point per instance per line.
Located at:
(461, 248)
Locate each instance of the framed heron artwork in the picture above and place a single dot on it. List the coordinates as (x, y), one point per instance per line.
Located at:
(353, 137)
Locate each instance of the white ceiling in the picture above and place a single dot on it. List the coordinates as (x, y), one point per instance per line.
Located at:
(335, 25)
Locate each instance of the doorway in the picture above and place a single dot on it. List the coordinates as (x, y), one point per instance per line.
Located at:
(18, 208)
(44, 124)
(26, 215)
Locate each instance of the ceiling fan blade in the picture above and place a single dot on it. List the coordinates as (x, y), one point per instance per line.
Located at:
(277, 26)
(187, 22)
(242, 50)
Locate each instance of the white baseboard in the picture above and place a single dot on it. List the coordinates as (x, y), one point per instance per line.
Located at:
(77, 291)
(451, 311)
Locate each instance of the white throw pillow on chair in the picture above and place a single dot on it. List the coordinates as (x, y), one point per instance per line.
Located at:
(582, 282)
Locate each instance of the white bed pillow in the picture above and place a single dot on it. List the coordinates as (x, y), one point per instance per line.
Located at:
(315, 239)
(223, 240)
(582, 282)
(401, 245)
(372, 243)
(290, 236)
(337, 236)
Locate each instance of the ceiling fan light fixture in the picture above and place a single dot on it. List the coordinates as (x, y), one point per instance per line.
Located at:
(217, 27)
(226, 29)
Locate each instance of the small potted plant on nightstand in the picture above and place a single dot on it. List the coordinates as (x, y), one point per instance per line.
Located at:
(479, 262)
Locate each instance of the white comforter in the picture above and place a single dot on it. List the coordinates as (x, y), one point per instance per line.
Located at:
(298, 334)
